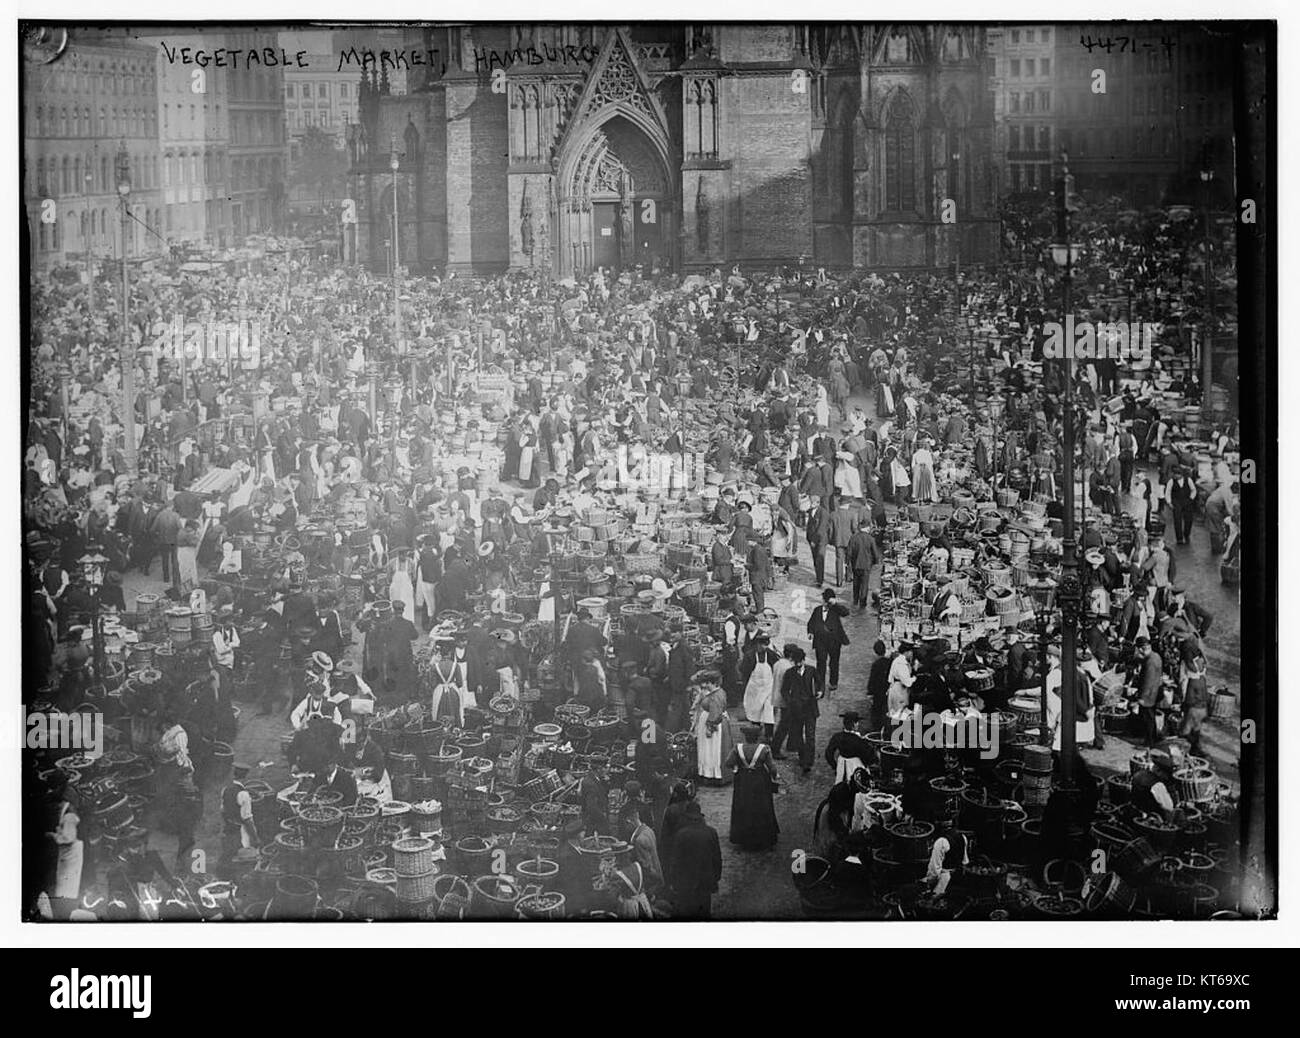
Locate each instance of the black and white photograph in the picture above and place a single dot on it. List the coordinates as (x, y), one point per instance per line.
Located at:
(662, 471)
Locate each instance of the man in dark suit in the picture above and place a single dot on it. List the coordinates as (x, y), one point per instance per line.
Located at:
(1149, 682)
(842, 526)
(826, 628)
(863, 554)
(819, 534)
(788, 501)
(878, 684)
(818, 482)
(1182, 499)
(801, 688)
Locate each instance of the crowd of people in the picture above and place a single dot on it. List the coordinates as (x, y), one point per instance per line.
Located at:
(792, 407)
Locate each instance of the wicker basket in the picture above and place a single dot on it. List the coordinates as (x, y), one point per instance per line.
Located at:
(320, 824)
(413, 856)
(417, 889)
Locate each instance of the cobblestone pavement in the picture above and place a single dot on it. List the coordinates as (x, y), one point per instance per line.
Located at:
(756, 885)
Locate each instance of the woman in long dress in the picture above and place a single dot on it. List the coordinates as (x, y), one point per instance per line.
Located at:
(402, 589)
(712, 734)
(753, 816)
(923, 484)
(822, 409)
(187, 554)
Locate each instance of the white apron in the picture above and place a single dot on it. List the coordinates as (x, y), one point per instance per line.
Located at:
(758, 695)
(425, 595)
(525, 464)
(382, 790)
(708, 748)
(846, 766)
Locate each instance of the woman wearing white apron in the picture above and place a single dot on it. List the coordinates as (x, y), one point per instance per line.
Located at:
(710, 725)
(451, 692)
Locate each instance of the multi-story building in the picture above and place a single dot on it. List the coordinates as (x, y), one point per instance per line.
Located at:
(258, 147)
(680, 147)
(321, 94)
(78, 112)
(193, 140)
(1138, 107)
(1026, 105)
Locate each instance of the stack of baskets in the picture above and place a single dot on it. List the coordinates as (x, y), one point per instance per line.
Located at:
(413, 862)
(1036, 775)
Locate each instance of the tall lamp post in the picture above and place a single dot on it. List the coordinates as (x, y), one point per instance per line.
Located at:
(394, 161)
(971, 322)
(1069, 591)
(1042, 590)
(92, 570)
(89, 245)
(65, 380)
(373, 371)
(127, 354)
(996, 406)
(393, 394)
(1207, 323)
(956, 237)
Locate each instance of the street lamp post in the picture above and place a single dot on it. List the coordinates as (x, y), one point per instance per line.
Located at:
(970, 337)
(65, 378)
(127, 355)
(393, 393)
(1069, 592)
(956, 239)
(393, 162)
(996, 407)
(92, 570)
(1207, 323)
(372, 376)
(88, 244)
(1043, 592)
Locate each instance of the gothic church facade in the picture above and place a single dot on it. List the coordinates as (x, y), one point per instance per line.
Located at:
(566, 147)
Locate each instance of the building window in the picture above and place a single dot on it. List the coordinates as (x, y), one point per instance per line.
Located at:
(1044, 138)
(1015, 68)
(1029, 101)
(1044, 176)
(1044, 100)
(1015, 102)
(288, 90)
(1013, 138)
(900, 157)
(343, 90)
(1015, 36)
(1044, 66)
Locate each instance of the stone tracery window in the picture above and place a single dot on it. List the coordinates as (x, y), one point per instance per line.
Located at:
(900, 156)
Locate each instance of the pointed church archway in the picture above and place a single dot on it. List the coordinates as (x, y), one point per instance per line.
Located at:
(616, 172)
